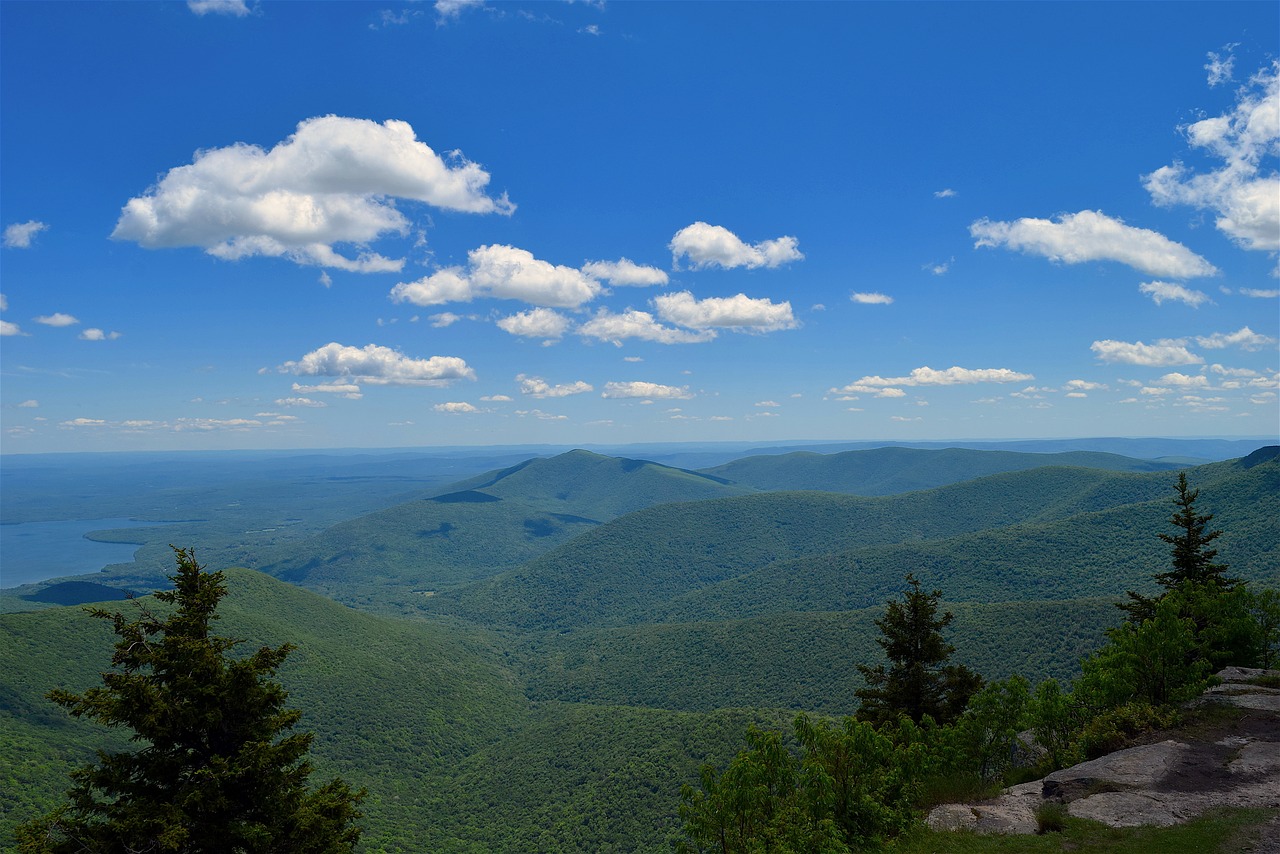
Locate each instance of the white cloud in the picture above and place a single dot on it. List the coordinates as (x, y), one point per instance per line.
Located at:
(633, 358)
(772, 404)
(905, 418)
(455, 407)
(1161, 291)
(624, 272)
(445, 318)
(1244, 338)
(945, 194)
(871, 298)
(29, 404)
(1084, 385)
(20, 234)
(1244, 196)
(347, 390)
(451, 10)
(377, 365)
(652, 391)
(1232, 372)
(1155, 391)
(540, 388)
(1077, 394)
(927, 376)
(94, 334)
(1184, 380)
(1163, 353)
(333, 181)
(496, 398)
(1093, 236)
(716, 246)
(1221, 70)
(300, 401)
(502, 272)
(740, 313)
(538, 413)
(940, 269)
(4, 303)
(536, 323)
(607, 326)
(57, 319)
(235, 8)
(1260, 293)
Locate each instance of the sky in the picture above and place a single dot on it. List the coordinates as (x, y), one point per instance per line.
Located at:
(314, 225)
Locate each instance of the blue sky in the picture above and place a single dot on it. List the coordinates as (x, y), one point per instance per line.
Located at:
(290, 225)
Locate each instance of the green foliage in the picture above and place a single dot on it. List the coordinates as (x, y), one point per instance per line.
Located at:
(219, 770)
(1051, 817)
(1264, 607)
(852, 786)
(918, 681)
(1116, 728)
(1055, 722)
(988, 729)
(1155, 662)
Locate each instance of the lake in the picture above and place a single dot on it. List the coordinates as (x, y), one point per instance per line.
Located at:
(37, 551)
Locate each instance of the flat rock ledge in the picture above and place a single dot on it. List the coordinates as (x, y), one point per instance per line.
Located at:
(1160, 784)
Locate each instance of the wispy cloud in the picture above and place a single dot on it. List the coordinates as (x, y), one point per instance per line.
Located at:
(21, 234)
(646, 390)
(1161, 291)
(871, 298)
(1167, 352)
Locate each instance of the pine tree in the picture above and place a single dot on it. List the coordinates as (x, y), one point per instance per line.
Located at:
(1192, 558)
(918, 681)
(218, 769)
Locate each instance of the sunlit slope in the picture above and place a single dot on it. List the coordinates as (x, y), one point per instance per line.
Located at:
(796, 660)
(482, 525)
(391, 702)
(1102, 553)
(888, 471)
(1039, 534)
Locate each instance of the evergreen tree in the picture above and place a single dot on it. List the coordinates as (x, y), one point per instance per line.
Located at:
(218, 769)
(918, 681)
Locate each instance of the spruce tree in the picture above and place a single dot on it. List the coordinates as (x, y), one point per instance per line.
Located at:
(918, 681)
(217, 768)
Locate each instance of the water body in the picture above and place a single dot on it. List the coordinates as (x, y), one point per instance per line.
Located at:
(38, 551)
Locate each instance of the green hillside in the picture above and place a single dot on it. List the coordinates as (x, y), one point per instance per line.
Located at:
(802, 661)
(888, 471)
(637, 568)
(396, 557)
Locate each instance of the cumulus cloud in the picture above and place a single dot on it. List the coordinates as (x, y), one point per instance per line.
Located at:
(1084, 385)
(502, 272)
(1260, 293)
(927, 376)
(536, 323)
(1161, 291)
(625, 273)
(496, 398)
(615, 328)
(1166, 352)
(1243, 193)
(540, 388)
(707, 245)
(57, 319)
(1244, 338)
(376, 365)
(1093, 236)
(645, 390)
(1184, 380)
(234, 8)
(299, 401)
(20, 234)
(740, 312)
(333, 181)
(7, 329)
(455, 407)
(95, 334)
(871, 298)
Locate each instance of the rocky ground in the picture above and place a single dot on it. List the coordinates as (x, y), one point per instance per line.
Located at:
(1233, 762)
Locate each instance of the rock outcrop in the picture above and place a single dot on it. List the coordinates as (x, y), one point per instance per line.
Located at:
(1235, 763)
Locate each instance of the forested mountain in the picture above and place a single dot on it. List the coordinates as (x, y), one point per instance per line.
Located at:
(584, 631)
(1043, 533)
(887, 471)
(480, 526)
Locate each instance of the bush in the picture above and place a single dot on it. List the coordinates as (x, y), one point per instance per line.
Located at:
(1117, 728)
(1051, 817)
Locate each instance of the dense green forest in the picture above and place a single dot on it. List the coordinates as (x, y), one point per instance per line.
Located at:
(540, 656)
